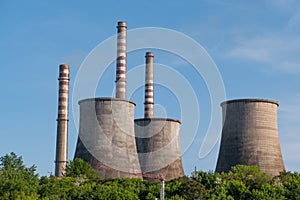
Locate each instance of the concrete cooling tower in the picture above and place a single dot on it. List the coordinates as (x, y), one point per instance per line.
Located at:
(106, 130)
(158, 148)
(157, 139)
(106, 137)
(117, 145)
(250, 136)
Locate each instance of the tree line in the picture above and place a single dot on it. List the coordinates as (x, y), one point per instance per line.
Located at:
(82, 182)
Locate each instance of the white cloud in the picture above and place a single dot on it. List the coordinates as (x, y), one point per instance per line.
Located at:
(276, 48)
(278, 51)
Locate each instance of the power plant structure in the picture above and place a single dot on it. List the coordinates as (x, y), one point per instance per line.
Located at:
(106, 131)
(119, 146)
(250, 136)
(157, 139)
(61, 158)
(109, 137)
(106, 137)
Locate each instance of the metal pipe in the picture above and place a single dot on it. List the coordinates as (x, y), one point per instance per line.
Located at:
(162, 189)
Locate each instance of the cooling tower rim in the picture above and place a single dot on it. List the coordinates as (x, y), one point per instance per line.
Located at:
(106, 99)
(158, 119)
(254, 100)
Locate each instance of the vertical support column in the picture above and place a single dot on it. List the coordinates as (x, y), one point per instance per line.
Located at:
(148, 105)
(162, 189)
(121, 61)
(62, 121)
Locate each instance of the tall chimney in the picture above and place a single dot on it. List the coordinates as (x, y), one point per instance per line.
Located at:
(148, 105)
(62, 121)
(121, 61)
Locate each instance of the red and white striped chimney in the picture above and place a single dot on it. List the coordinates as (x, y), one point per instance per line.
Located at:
(121, 61)
(148, 105)
(62, 121)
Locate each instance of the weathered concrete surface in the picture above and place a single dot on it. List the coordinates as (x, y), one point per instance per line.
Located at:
(106, 137)
(158, 146)
(250, 136)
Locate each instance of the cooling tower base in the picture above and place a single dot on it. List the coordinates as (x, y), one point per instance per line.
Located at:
(105, 172)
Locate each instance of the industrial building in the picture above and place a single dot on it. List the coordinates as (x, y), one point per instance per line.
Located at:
(106, 137)
(106, 131)
(157, 139)
(109, 136)
(119, 146)
(250, 136)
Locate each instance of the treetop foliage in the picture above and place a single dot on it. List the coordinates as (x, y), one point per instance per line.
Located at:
(82, 182)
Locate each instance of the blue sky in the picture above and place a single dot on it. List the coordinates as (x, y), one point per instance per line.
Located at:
(255, 45)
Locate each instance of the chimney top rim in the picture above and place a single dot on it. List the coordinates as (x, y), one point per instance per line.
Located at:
(122, 24)
(64, 66)
(149, 54)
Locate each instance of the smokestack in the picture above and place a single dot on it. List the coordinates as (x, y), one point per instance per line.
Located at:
(62, 121)
(121, 61)
(148, 105)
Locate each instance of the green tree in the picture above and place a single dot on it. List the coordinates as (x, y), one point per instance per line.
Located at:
(209, 179)
(113, 192)
(291, 184)
(188, 189)
(268, 192)
(78, 168)
(250, 175)
(172, 188)
(237, 189)
(16, 180)
(82, 182)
